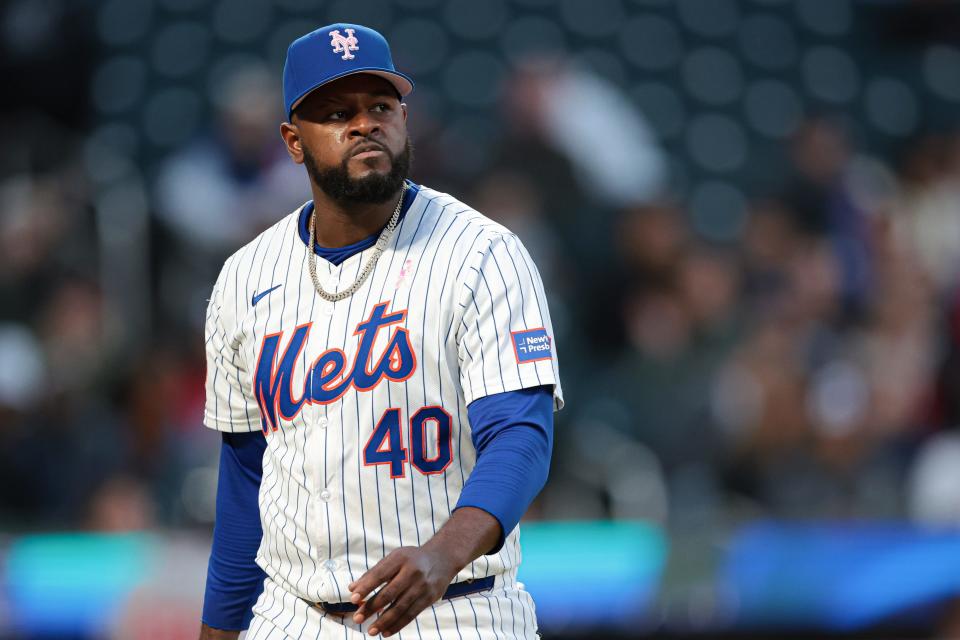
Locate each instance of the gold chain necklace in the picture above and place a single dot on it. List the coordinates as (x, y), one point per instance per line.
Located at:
(380, 246)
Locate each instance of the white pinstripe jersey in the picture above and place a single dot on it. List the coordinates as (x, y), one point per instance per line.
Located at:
(364, 401)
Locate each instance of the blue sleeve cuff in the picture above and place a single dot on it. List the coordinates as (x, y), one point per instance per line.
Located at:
(234, 581)
(513, 435)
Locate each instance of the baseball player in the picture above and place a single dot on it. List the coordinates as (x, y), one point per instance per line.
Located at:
(382, 367)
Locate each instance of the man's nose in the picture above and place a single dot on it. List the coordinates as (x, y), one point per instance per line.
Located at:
(363, 124)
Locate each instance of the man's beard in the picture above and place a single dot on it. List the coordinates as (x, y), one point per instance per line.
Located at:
(373, 188)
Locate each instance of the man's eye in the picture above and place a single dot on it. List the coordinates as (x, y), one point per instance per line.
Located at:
(381, 107)
(338, 115)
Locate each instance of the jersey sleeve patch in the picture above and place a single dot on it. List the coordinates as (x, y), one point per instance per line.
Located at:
(531, 345)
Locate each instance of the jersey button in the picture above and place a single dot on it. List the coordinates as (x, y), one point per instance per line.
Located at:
(328, 309)
(333, 282)
(322, 423)
(325, 495)
(331, 565)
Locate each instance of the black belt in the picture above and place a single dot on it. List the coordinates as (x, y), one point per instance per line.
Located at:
(454, 590)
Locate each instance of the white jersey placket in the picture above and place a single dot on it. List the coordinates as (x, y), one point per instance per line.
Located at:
(332, 318)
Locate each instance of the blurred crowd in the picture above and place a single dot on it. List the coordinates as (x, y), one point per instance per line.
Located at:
(806, 370)
(805, 365)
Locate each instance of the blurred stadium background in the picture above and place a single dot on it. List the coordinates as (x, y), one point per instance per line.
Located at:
(747, 215)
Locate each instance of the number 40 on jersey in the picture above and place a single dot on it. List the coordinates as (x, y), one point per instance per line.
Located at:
(385, 445)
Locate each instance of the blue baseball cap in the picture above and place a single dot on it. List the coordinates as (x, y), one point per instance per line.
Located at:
(335, 51)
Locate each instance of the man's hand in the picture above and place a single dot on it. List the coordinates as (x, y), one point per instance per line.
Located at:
(416, 577)
(209, 633)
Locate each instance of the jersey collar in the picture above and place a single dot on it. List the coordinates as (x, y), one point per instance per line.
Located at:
(343, 253)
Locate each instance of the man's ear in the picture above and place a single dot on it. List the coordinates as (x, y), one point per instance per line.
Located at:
(291, 139)
(403, 109)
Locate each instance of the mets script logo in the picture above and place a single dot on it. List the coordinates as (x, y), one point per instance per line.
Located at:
(344, 45)
(329, 376)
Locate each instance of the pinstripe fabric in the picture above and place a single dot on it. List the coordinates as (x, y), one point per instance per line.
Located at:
(465, 284)
(506, 612)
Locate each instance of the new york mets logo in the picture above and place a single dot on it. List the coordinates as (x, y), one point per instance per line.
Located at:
(329, 378)
(344, 45)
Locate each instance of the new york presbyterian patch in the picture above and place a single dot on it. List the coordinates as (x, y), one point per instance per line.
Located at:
(531, 345)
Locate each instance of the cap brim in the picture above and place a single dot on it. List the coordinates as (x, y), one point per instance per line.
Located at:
(401, 83)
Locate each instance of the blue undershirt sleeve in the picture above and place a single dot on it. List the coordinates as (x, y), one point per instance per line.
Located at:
(234, 581)
(513, 435)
